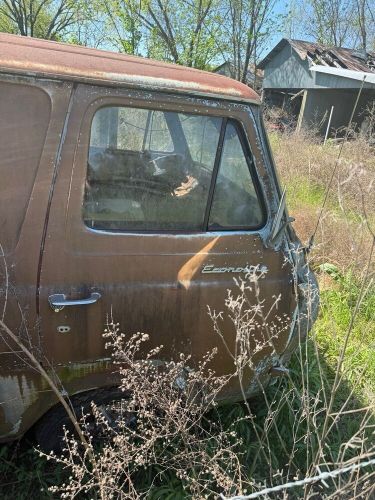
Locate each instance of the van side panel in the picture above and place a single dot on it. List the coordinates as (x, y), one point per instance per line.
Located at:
(32, 113)
(24, 118)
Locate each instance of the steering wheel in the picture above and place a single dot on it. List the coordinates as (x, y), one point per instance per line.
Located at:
(161, 163)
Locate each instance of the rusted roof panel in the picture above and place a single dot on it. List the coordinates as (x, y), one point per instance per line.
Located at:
(334, 57)
(72, 62)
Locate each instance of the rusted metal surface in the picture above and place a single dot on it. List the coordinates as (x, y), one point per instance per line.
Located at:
(336, 57)
(157, 283)
(63, 61)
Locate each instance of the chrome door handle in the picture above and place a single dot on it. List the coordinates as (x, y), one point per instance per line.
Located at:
(58, 301)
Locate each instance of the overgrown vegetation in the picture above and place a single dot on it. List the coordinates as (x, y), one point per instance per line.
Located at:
(345, 236)
(319, 418)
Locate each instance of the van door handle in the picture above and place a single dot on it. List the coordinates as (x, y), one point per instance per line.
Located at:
(58, 301)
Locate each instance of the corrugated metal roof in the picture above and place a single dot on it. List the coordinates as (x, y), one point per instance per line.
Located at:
(335, 57)
(71, 62)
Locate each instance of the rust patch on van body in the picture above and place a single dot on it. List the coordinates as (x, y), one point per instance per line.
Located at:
(71, 62)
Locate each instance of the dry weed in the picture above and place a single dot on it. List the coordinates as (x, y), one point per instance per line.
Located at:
(158, 427)
(305, 167)
(168, 425)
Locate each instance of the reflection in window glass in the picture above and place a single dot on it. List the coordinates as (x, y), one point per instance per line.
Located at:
(102, 134)
(131, 127)
(235, 203)
(201, 132)
(147, 171)
(159, 138)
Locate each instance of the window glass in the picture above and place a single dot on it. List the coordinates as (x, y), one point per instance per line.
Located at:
(145, 173)
(131, 128)
(159, 137)
(235, 203)
(200, 131)
(121, 128)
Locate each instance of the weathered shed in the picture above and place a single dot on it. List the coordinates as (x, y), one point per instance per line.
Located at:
(314, 82)
(254, 76)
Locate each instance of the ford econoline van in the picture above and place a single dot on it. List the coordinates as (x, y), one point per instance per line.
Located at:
(138, 190)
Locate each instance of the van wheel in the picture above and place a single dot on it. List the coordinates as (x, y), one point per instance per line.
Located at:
(49, 430)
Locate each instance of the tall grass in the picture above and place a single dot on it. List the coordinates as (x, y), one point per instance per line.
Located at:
(320, 417)
(305, 166)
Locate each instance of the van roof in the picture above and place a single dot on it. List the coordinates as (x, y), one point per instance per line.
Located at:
(62, 61)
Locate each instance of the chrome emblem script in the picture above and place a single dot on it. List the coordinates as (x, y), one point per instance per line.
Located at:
(246, 270)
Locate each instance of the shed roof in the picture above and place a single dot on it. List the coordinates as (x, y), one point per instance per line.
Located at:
(316, 53)
(346, 73)
(71, 62)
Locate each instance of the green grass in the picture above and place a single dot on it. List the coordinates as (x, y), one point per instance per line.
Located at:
(301, 192)
(338, 302)
(24, 475)
(337, 307)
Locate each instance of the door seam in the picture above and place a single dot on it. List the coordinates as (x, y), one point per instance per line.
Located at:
(49, 202)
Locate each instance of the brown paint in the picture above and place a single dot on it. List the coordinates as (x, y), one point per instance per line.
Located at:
(149, 282)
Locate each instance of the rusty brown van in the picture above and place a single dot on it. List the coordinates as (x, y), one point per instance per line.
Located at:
(135, 188)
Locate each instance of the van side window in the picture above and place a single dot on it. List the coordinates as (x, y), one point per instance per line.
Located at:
(235, 203)
(145, 174)
(196, 130)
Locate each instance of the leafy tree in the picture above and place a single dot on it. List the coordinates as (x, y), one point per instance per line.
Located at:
(365, 23)
(124, 29)
(174, 30)
(340, 23)
(195, 33)
(90, 28)
(39, 18)
(247, 25)
(331, 21)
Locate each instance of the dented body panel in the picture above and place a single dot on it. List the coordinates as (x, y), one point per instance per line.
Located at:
(152, 281)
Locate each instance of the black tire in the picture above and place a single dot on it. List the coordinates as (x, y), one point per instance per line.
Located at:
(49, 430)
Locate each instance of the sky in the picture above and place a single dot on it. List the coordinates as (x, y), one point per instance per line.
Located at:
(289, 29)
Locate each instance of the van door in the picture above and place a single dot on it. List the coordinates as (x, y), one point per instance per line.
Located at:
(159, 203)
